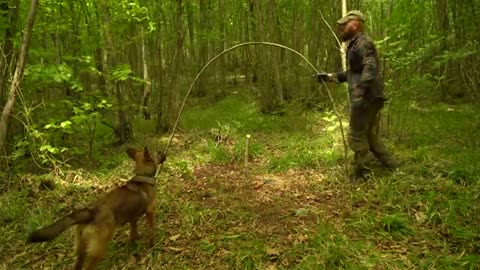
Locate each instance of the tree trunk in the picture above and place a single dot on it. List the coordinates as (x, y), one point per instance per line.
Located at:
(191, 29)
(442, 16)
(11, 14)
(100, 54)
(17, 77)
(276, 60)
(124, 128)
(200, 90)
(253, 33)
(313, 98)
(146, 85)
(221, 42)
(174, 63)
(267, 68)
(159, 77)
(343, 48)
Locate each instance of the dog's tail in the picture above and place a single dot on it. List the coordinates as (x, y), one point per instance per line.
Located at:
(81, 216)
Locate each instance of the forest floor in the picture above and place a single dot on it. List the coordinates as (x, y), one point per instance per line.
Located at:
(292, 207)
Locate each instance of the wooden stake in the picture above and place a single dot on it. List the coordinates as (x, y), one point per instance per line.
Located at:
(247, 146)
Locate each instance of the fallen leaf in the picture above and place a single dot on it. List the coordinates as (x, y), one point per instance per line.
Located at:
(132, 261)
(420, 216)
(144, 259)
(266, 199)
(300, 239)
(272, 252)
(257, 184)
(271, 267)
(174, 237)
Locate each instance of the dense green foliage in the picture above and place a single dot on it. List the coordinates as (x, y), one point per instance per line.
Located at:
(94, 67)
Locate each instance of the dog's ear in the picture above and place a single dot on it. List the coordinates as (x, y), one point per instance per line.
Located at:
(161, 157)
(131, 153)
(146, 154)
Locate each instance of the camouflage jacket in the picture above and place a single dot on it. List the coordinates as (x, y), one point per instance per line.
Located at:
(363, 72)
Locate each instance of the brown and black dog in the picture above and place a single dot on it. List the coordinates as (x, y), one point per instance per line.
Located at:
(95, 225)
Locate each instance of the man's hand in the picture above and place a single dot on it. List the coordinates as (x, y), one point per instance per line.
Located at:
(324, 77)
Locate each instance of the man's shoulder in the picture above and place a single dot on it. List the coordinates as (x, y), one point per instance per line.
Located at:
(365, 41)
(365, 38)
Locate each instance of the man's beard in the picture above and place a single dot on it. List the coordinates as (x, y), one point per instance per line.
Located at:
(345, 36)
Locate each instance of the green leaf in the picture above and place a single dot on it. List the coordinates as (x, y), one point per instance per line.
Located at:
(87, 106)
(57, 78)
(121, 73)
(332, 127)
(49, 148)
(329, 118)
(49, 126)
(66, 124)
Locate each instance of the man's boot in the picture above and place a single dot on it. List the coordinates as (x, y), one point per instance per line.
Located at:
(359, 175)
(390, 162)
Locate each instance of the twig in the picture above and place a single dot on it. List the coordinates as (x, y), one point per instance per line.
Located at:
(333, 32)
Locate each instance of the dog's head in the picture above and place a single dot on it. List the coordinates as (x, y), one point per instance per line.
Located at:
(145, 162)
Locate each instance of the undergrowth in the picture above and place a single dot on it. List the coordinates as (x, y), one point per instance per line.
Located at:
(294, 208)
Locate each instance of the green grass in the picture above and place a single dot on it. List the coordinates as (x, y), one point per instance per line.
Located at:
(295, 209)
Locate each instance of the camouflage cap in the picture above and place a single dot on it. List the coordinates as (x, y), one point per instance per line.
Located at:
(353, 14)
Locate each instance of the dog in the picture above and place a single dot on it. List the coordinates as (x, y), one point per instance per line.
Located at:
(95, 225)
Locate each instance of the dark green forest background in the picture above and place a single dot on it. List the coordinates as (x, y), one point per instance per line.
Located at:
(94, 68)
(104, 75)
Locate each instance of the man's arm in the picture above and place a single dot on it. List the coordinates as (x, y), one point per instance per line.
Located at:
(370, 68)
(339, 77)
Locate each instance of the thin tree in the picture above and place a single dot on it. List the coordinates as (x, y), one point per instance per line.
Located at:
(17, 77)
(11, 15)
(343, 48)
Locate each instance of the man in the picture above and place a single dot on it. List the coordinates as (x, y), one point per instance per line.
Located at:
(365, 86)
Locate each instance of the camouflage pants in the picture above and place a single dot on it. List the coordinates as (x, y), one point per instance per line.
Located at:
(363, 136)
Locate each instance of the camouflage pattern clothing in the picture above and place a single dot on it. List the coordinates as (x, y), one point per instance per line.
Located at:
(363, 74)
(365, 86)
